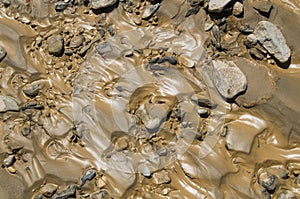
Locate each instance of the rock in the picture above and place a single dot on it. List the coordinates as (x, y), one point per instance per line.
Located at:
(263, 6)
(121, 143)
(70, 192)
(11, 170)
(77, 41)
(144, 169)
(217, 5)
(6, 3)
(26, 131)
(202, 112)
(33, 89)
(48, 189)
(3, 53)
(186, 61)
(100, 4)
(100, 183)
(8, 104)
(267, 181)
(228, 79)
(170, 59)
(238, 8)
(153, 116)
(271, 38)
(202, 99)
(208, 26)
(161, 177)
(103, 48)
(89, 175)
(60, 6)
(150, 10)
(55, 45)
(10, 160)
(286, 194)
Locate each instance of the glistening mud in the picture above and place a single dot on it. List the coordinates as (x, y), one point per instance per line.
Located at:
(149, 99)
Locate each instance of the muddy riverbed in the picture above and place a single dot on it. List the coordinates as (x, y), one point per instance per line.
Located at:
(150, 99)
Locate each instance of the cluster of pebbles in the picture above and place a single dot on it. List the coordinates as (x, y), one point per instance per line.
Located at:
(199, 92)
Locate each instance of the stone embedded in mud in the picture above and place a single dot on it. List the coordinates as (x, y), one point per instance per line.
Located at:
(67, 193)
(263, 6)
(268, 181)
(55, 45)
(286, 194)
(100, 4)
(3, 53)
(161, 177)
(153, 116)
(150, 10)
(228, 79)
(77, 41)
(238, 8)
(8, 104)
(60, 5)
(33, 89)
(271, 38)
(48, 189)
(89, 175)
(217, 5)
(10, 160)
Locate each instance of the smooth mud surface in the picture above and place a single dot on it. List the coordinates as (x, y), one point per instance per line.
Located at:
(150, 99)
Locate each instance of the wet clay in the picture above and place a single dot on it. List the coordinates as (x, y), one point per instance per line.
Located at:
(149, 99)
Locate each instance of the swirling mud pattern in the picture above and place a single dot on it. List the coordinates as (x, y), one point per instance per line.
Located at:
(149, 99)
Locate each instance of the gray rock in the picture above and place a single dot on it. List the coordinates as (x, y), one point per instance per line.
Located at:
(70, 192)
(33, 88)
(10, 160)
(48, 189)
(6, 3)
(100, 4)
(161, 177)
(144, 169)
(153, 116)
(77, 41)
(60, 5)
(8, 104)
(55, 45)
(268, 181)
(271, 38)
(150, 10)
(263, 6)
(286, 194)
(89, 175)
(228, 79)
(238, 8)
(217, 5)
(3, 53)
(26, 131)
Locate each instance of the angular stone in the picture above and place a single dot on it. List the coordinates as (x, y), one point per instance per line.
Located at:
(8, 104)
(100, 4)
(161, 177)
(238, 8)
(48, 189)
(150, 10)
(228, 79)
(271, 38)
(33, 88)
(217, 5)
(55, 45)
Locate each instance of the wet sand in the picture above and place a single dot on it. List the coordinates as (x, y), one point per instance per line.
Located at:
(149, 99)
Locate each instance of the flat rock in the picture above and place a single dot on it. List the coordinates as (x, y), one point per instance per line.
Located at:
(55, 45)
(228, 79)
(271, 38)
(48, 189)
(262, 6)
(153, 116)
(161, 177)
(150, 10)
(8, 104)
(100, 4)
(60, 6)
(217, 5)
(3, 53)
(238, 8)
(33, 88)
